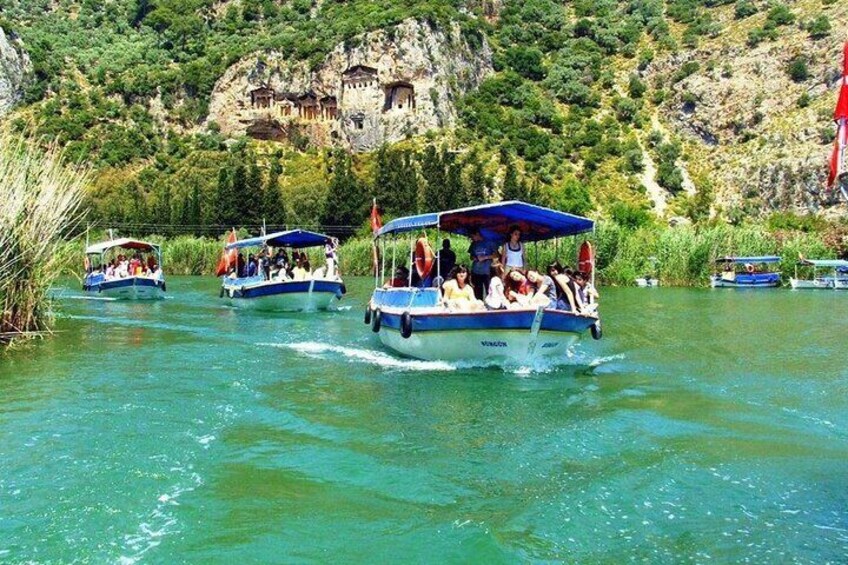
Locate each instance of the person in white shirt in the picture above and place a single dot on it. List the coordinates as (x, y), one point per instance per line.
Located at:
(513, 255)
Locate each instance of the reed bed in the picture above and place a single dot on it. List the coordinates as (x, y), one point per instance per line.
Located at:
(682, 256)
(40, 207)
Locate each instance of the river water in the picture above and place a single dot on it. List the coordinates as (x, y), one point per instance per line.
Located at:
(707, 426)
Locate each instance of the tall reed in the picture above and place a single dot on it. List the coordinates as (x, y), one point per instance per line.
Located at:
(39, 208)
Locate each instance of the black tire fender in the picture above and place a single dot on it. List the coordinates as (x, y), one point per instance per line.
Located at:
(163, 288)
(221, 294)
(597, 332)
(367, 314)
(344, 290)
(376, 320)
(405, 325)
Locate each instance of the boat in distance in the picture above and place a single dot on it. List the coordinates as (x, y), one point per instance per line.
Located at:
(837, 280)
(281, 292)
(122, 278)
(416, 322)
(746, 272)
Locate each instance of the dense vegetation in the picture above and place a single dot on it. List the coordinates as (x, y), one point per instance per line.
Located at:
(565, 120)
(39, 210)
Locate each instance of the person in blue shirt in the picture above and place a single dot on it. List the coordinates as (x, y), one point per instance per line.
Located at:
(482, 252)
(251, 265)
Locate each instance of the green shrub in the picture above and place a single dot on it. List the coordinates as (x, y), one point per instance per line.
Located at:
(798, 70)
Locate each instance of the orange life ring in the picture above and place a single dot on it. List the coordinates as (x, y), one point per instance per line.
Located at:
(586, 258)
(424, 258)
(749, 267)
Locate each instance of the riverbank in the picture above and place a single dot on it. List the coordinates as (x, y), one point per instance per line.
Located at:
(682, 255)
(39, 208)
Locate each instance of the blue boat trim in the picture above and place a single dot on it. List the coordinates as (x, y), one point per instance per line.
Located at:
(97, 283)
(285, 287)
(493, 320)
(742, 260)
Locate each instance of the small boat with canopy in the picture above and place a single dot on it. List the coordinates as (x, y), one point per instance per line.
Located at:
(124, 268)
(417, 323)
(746, 272)
(277, 291)
(837, 279)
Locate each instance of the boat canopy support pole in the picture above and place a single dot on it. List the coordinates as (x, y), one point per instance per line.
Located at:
(411, 258)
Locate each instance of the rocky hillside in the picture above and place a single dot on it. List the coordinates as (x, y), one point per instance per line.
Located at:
(755, 115)
(683, 110)
(381, 87)
(14, 70)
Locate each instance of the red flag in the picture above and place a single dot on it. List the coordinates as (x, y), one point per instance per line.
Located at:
(376, 220)
(840, 115)
(228, 257)
(842, 104)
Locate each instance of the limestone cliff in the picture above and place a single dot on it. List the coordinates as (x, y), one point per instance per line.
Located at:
(14, 68)
(762, 137)
(378, 88)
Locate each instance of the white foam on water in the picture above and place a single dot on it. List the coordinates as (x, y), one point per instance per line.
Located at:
(82, 297)
(378, 358)
(159, 523)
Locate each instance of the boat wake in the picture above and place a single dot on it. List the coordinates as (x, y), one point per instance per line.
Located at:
(378, 358)
(94, 298)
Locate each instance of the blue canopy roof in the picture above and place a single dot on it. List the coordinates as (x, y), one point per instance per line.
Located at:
(833, 263)
(291, 238)
(494, 220)
(759, 259)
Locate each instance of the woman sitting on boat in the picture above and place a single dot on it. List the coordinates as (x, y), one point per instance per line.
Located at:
(496, 299)
(544, 290)
(400, 278)
(519, 290)
(565, 294)
(303, 269)
(458, 292)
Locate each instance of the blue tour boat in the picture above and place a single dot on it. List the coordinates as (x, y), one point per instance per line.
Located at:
(279, 293)
(746, 272)
(838, 280)
(128, 279)
(415, 322)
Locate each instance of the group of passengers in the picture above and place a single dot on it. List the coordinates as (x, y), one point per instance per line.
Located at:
(122, 267)
(500, 279)
(277, 266)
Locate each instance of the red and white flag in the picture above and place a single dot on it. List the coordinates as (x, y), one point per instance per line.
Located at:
(376, 219)
(228, 257)
(840, 116)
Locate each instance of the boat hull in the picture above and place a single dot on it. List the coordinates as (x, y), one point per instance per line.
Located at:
(284, 296)
(643, 282)
(824, 283)
(487, 337)
(816, 284)
(769, 280)
(130, 288)
(512, 347)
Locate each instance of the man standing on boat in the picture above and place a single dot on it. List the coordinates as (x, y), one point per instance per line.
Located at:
(482, 252)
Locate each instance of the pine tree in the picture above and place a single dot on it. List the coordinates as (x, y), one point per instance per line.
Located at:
(512, 189)
(434, 171)
(396, 182)
(347, 201)
(195, 211)
(252, 198)
(274, 208)
(453, 190)
(226, 199)
(478, 181)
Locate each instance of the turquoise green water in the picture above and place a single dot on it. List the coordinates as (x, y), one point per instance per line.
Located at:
(708, 426)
